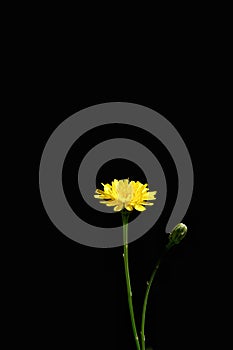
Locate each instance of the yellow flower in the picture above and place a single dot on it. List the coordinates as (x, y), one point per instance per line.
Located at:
(124, 194)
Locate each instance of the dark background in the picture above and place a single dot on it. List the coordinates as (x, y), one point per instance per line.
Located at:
(75, 296)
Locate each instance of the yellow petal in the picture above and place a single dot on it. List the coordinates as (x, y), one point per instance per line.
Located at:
(118, 207)
(145, 190)
(108, 189)
(129, 207)
(152, 193)
(112, 203)
(139, 207)
(149, 195)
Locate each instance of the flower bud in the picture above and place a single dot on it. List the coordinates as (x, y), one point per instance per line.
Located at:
(177, 234)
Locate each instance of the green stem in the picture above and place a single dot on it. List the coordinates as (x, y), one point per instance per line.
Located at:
(145, 303)
(125, 216)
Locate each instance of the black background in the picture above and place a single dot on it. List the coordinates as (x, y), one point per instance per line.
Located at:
(75, 295)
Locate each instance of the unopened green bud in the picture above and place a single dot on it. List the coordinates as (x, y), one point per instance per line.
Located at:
(178, 233)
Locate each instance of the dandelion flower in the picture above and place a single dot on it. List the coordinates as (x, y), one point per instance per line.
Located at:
(125, 194)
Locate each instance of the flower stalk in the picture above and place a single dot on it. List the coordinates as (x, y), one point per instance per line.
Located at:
(125, 217)
(145, 303)
(175, 237)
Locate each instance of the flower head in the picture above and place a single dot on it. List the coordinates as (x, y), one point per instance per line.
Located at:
(125, 194)
(177, 235)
